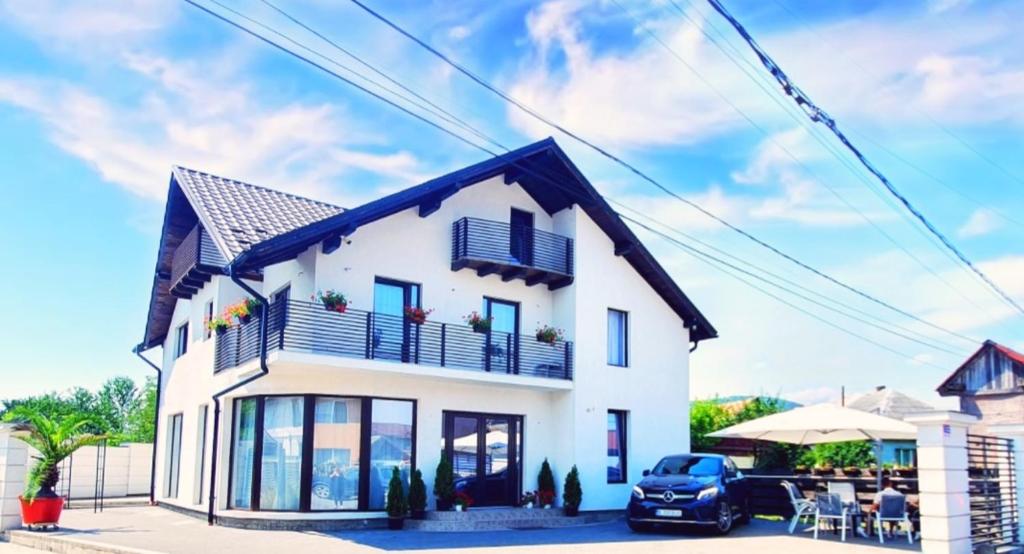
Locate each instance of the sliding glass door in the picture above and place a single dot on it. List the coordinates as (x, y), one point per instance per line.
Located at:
(392, 332)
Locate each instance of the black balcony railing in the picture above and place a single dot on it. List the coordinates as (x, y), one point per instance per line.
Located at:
(513, 251)
(308, 327)
(193, 262)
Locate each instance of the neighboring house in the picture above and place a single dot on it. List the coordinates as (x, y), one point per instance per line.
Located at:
(349, 394)
(990, 385)
(890, 403)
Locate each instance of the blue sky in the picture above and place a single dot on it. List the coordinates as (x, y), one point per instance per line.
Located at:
(99, 99)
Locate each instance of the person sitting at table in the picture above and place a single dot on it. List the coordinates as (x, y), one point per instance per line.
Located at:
(912, 509)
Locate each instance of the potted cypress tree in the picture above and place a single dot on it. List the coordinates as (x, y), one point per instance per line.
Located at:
(55, 439)
(444, 484)
(396, 503)
(418, 496)
(572, 493)
(546, 485)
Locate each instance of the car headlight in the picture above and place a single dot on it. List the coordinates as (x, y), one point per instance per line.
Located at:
(709, 492)
(638, 492)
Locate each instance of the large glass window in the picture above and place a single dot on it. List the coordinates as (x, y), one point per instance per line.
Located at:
(337, 436)
(197, 486)
(281, 462)
(390, 446)
(616, 446)
(181, 340)
(618, 337)
(353, 444)
(172, 468)
(243, 452)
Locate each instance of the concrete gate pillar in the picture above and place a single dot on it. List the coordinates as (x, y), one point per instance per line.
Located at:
(942, 481)
(13, 472)
(1016, 433)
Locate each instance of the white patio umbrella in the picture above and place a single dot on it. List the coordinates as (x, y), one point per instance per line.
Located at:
(822, 423)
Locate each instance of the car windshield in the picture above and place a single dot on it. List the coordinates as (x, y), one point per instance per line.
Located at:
(697, 466)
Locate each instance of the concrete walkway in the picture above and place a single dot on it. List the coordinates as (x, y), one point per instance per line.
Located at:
(157, 530)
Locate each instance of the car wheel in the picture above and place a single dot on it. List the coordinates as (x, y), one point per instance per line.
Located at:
(637, 526)
(321, 490)
(723, 518)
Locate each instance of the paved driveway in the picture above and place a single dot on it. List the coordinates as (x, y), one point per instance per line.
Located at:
(158, 530)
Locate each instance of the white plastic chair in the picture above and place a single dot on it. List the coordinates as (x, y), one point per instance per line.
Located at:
(893, 509)
(830, 506)
(802, 508)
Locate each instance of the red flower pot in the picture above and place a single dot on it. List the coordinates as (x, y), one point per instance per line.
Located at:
(41, 511)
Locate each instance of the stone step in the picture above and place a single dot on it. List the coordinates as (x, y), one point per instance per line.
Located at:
(496, 514)
(63, 544)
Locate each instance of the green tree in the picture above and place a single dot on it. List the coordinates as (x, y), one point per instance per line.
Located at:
(139, 421)
(840, 454)
(55, 438)
(707, 416)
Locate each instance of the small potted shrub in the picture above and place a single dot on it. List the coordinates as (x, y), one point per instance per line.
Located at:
(416, 315)
(417, 496)
(332, 300)
(55, 440)
(218, 325)
(572, 493)
(479, 323)
(546, 485)
(462, 501)
(801, 470)
(396, 504)
(548, 334)
(851, 471)
(824, 470)
(444, 484)
(528, 500)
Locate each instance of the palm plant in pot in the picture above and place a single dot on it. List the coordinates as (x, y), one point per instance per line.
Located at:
(397, 506)
(55, 440)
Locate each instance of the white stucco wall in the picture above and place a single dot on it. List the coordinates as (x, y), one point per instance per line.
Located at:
(566, 426)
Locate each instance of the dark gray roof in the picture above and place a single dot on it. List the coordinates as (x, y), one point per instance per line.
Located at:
(888, 403)
(238, 215)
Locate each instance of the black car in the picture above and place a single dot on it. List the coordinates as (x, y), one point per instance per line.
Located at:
(695, 489)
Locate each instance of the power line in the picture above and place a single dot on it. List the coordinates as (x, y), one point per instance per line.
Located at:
(423, 119)
(708, 260)
(820, 116)
(967, 145)
(753, 77)
(633, 169)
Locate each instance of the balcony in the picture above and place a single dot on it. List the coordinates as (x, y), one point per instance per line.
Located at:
(307, 327)
(512, 251)
(194, 262)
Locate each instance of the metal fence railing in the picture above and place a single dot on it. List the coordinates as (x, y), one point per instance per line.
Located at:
(992, 488)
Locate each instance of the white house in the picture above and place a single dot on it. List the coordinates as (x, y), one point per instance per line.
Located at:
(302, 413)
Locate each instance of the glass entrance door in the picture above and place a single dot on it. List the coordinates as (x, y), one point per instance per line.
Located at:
(391, 330)
(485, 451)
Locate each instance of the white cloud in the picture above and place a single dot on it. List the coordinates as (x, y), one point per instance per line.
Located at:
(459, 32)
(981, 222)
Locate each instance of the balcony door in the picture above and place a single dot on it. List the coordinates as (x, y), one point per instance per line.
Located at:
(520, 237)
(486, 452)
(503, 340)
(393, 335)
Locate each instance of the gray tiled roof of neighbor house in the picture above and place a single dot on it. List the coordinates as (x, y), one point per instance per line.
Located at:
(888, 403)
(238, 215)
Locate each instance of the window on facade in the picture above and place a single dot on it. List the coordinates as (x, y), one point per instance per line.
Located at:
(180, 340)
(905, 457)
(197, 488)
(208, 311)
(337, 436)
(616, 446)
(243, 453)
(281, 462)
(172, 466)
(355, 444)
(390, 446)
(618, 337)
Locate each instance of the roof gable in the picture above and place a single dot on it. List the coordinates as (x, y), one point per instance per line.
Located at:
(947, 388)
(544, 171)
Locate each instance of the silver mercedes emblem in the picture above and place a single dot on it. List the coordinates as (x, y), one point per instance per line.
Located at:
(669, 496)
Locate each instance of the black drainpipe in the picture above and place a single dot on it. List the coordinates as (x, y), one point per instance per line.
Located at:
(696, 342)
(264, 317)
(156, 422)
